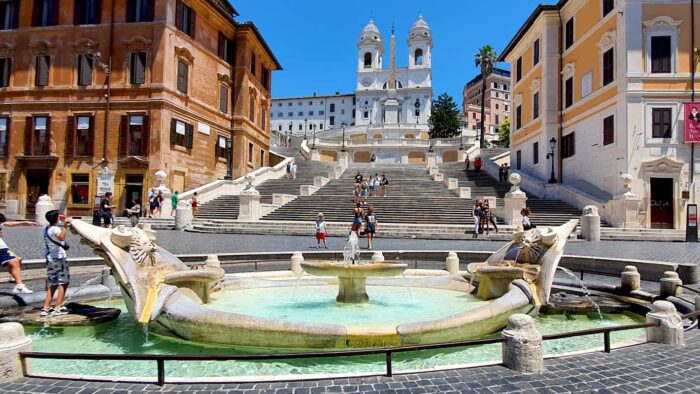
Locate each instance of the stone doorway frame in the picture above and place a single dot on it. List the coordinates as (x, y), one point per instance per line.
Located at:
(663, 167)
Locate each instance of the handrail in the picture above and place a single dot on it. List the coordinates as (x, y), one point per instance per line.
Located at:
(387, 351)
(690, 289)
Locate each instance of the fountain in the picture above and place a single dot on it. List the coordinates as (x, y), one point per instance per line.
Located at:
(201, 304)
(352, 274)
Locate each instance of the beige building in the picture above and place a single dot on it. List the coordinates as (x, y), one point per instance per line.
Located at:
(134, 86)
(497, 101)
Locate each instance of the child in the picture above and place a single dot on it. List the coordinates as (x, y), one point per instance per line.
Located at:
(57, 275)
(370, 226)
(321, 231)
(8, 258)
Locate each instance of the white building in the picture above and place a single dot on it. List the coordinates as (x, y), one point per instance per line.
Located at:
(294, 115)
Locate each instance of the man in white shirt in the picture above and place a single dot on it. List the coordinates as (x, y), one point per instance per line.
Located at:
(8, 258)
(57, 275)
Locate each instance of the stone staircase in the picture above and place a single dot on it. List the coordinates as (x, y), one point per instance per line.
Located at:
(413, 198)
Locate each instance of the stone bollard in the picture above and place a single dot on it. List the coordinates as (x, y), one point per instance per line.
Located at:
(522, 350)
(12, 342)
(249, 205)
(297, 259)
(669, 285)
(630, 280)
(452, 263)
(670, 328)
(213, 261)
(590, 223)
(183, 215)
(148, 229)
(42, 206)
(377, 257)
(697, 302)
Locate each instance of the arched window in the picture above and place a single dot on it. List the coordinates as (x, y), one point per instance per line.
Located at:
(368, 60)
(418, 57)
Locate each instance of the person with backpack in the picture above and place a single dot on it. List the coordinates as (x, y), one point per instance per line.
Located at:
(57, 274)
(106, 210)
(370, 226)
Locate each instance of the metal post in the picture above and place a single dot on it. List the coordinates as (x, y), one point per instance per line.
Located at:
(342, 148)
(606, 341)
(161, 371)
(550, 155)
(305, 127)
(388, 364)
(313, 127)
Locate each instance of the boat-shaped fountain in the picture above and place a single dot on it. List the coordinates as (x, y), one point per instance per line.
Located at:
(191, 302)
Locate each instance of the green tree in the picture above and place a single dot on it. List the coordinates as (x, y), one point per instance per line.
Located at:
(486, 58)
(504, 132)
(444, 118)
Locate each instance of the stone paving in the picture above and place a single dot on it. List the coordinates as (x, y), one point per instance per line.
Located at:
(28, 243)
(647, 368)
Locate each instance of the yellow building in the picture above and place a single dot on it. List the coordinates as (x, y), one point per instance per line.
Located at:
(604, 81)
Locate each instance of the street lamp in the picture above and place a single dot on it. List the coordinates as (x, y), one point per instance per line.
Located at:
(342, 148)
(305, 127)
(550, 155)
(313, 127)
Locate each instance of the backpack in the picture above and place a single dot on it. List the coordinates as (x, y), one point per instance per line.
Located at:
(46, 236)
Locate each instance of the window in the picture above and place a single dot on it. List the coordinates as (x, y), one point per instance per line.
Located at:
(569, 33)
(4, 136)
(279, 127)
(496, 106)
(320, 126)
(518, 117)
(38, 142)
(226, 50)
(497, 120)
(262, 158)
(253, 65)
(368, 60)
(608, 6)
(536, 52)
(300, 103)
(5, 70)
(320, 112)
(182, 71)
(519, 69)
(290, 114)
(495, 85)
(250, 152)
(9, 14)
(221, 144)
(300, 113)
(263, 118)
(608, 67)
(661, 123)
(251, 109)
(134, 135)
(569, 92)
(82, 142)
(536, 105)
(535, 153)
(85, 65)
(506, 107)
(80, 189)
(331, 120)
(45, 13)
(311, 113)
(139, 10)
(87, 12)
(265, 78)
(568, 145)
(137, 68)
(280, 114)
(300, 127)
(332, 108)
(365, 114)
(609, 130)
(181, 133)
(184, 18)
(518, 160)
(290, 127)
(418, 57)
(661, 54)
(41, 76)
(223, 99)
(3, 186)
(289, 104)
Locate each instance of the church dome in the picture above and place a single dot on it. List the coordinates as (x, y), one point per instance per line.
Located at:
(370, 34)
(419, 29)
(371, 27)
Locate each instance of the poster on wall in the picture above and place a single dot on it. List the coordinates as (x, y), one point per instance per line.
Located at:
(692, 123)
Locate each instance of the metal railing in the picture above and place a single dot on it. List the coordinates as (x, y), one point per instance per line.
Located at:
(160, 359)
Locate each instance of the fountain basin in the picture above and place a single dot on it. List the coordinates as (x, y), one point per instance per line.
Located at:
(352, 278)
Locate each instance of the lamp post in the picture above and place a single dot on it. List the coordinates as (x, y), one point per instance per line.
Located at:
(305, 127)
(550, 155)
(342, 148)
(313, 127)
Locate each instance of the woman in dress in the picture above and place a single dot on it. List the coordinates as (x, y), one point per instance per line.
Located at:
(195, 204)
(488, 217)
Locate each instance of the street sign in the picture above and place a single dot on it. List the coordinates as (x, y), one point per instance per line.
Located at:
(691, 228)
(105, 182)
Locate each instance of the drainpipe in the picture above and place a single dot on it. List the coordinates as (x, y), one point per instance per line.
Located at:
(108, 95)
(560, 129)
(229, 151)
(692, 82)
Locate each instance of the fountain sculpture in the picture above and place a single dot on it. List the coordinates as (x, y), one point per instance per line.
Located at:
(173, 299)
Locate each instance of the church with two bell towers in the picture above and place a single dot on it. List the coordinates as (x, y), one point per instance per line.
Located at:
(397, 100)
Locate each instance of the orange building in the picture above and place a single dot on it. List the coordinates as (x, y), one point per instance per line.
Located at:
(135, 86)
(497, 100)
(605, 82)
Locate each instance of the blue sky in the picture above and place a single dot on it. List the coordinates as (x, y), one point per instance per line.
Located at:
(315, 40)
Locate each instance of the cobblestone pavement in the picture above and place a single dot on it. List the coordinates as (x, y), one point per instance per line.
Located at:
(648, 368)
(28, 243)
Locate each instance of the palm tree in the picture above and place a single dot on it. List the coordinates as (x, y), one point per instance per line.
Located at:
(486, 58)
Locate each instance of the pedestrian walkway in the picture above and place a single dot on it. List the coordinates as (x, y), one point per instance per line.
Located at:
(647, 368)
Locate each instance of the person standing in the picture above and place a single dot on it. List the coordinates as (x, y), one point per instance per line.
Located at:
(8, 258)
(321, 231)
(489, 217)
(106, 210)
(526, 222)
(466, 163)
(371, 185)
(173, 202)
(358, 178)
(373, 160)
(477, 165)
(476, 214)
(152, 206)
(364, 190)
(385, 185)
(159, 200)
(134, 212)
(294, 170)
(195, 203)
(358, 214)
(289, 169)
(370, 226)
(57, 274)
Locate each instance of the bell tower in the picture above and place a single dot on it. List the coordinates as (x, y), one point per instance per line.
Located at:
(370, 49)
